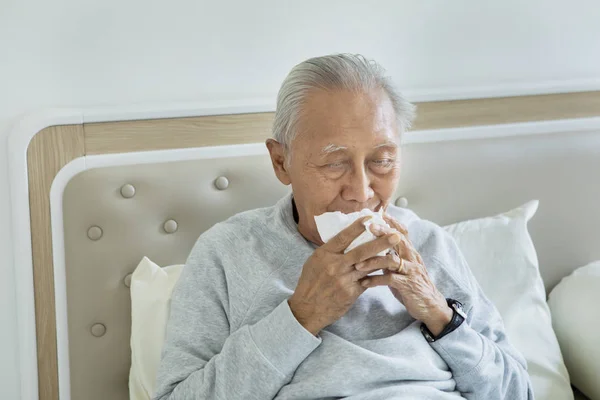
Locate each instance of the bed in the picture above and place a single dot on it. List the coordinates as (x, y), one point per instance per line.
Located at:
(96, 190)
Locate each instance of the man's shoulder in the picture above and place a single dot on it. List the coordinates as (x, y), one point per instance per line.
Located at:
(243, 225)
(248, 244)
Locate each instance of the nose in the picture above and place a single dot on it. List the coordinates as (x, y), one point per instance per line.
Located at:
(358, 187)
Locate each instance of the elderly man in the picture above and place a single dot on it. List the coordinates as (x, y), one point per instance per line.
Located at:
(264, 309)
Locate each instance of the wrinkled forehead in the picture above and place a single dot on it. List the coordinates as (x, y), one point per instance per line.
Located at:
(332, 121)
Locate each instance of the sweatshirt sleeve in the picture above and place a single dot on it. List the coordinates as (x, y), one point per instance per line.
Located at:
(483, 362)
(202, 359)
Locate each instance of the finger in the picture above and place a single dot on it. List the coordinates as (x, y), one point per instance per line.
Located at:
(409, 268)
(356, 276)
(412, 256)
(391, 279)
(370, 249)
(405, 250)
(342, 240)
(395, 224)
(380, 230)
(390, 261)
(382, 206)
(419, 259)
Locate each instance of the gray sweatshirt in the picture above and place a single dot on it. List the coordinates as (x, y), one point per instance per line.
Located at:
(231, 334)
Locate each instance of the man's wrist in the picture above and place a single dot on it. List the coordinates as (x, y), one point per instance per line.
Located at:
(439, 320)
(304, 321)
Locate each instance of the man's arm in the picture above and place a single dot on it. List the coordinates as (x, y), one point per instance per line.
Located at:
(483, 362)
(202, 360)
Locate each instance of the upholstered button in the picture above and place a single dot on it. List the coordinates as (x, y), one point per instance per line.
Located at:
(221, 183)
(94, 233)
(127, 280)
(401, 202)
(98, 330)
(127, 191)
(170, 226)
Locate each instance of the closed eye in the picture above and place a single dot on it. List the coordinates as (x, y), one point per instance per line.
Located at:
(384, 162)
(336, 165)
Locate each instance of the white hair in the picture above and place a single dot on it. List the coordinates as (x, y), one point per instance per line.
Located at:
(351, 72)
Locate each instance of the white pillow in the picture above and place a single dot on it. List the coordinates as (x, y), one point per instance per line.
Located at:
(501, 255)
(151, 288)
(576, 320)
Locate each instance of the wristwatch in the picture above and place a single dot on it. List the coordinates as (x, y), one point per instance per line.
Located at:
(458, 317)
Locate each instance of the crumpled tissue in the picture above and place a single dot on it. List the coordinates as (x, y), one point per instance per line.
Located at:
(331, 223)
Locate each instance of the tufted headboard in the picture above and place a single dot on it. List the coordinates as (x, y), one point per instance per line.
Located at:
(104, 194)
(113, 215)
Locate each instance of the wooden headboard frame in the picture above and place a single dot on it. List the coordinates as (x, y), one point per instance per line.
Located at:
(53, 147)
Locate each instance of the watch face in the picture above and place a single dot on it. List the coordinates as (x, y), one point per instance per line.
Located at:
(459, 310)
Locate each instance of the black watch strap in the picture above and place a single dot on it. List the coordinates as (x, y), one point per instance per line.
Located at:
(458, 317)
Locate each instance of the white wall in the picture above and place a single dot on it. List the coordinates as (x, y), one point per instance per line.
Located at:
(87, 53)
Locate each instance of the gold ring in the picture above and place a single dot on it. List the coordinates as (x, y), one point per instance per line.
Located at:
(401, 265)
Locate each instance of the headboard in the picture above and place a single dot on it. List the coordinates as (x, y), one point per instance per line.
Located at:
(104, 194)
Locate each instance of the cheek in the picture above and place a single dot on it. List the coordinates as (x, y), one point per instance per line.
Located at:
(311, 180)
(315, 189)
(325, 189)
(385, 185)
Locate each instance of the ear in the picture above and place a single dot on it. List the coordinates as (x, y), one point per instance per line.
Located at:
(278, 158)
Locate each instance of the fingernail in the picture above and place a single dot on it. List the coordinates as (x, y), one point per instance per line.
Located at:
(375, 228)
(360, 265)
(394, 239)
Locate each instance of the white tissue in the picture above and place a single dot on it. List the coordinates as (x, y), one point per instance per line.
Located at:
(331, 223)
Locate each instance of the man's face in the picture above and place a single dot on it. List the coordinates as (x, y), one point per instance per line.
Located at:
(345, 156)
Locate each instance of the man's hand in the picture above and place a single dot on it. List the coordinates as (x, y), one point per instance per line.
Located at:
(409, 282)
(330, 284)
